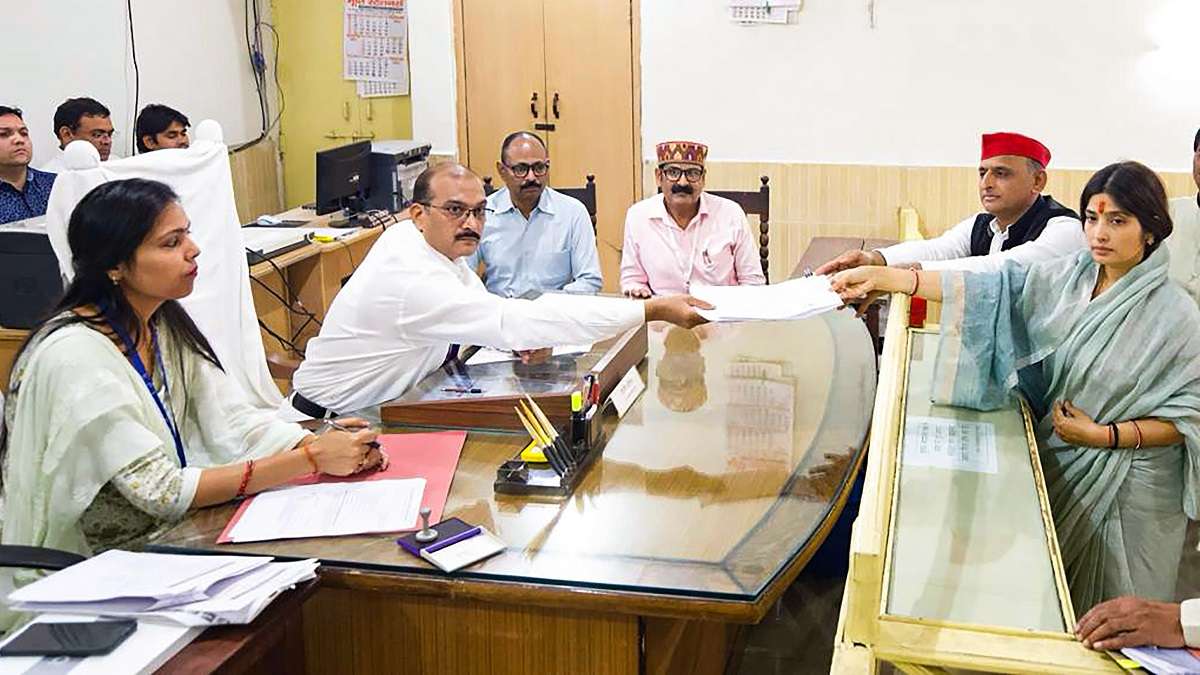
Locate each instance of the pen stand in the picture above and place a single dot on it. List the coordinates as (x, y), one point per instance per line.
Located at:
(520, 477)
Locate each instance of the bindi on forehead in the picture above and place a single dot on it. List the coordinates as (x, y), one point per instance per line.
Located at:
(1101, 204)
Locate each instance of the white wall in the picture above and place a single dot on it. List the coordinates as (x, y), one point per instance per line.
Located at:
(192, 56)
(1096, 81)
(431, 68)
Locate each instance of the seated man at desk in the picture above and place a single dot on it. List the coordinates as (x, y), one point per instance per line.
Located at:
(414, 299)
(537, 239)
(159, 127)
(1018, 222)
(1185, 240)
(685, 235)
(24, 191)
(81, 119)
(1106, 350)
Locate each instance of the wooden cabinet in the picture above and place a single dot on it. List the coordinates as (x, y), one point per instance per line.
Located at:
(564, 69)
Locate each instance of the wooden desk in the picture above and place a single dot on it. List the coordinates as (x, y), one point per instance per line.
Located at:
(714, 491)
(312, 275)
(953, 570)
(273, 643)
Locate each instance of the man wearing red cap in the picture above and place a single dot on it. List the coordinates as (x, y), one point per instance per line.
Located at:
(1018, 223)
(685, 235)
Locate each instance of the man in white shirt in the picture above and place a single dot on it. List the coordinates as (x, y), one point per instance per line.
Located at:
(1018, 223)
(1135, 622)
(1184, 242)
(414, 299)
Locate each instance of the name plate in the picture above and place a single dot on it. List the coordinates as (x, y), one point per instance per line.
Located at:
(627, 390)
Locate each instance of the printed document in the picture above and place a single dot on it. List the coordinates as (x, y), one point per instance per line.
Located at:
(950, 444)
(331, 509)
(792, 299)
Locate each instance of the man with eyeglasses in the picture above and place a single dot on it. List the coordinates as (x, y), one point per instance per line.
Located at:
(537, 238)
(686, 236)
(81, 119)
(414, 300)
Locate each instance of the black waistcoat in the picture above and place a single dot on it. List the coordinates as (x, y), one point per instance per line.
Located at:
(1027, 228)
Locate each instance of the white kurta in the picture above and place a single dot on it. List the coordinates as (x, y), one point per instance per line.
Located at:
(1063, 235)
(221, 303)
(406, 304)
(1184, 244)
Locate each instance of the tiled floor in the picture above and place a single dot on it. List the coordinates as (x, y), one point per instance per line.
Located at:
(796, 637)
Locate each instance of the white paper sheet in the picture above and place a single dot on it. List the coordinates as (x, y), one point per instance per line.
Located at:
(950, 444)
(792, 299)
(331, 509)
(150, 646)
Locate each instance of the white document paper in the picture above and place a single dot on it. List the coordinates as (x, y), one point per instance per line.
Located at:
(123, 574)
(792, 299)
(627, 390)
(331, 509)
(950, 444)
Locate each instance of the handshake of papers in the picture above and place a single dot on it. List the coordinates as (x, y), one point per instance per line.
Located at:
(192, 590)
(792, 299)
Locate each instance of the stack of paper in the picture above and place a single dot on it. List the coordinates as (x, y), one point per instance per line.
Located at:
(1164, 661)
(792, 299)
(150, 646)
(190, 590)
(489, 355)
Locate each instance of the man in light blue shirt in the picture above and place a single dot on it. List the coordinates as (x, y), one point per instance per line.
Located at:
(536, 238)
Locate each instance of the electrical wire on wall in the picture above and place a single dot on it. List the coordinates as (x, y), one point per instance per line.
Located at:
(254, 26)
(137, 78)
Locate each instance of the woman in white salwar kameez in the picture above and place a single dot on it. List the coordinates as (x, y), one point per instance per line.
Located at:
(1106, 349)
(119, 418)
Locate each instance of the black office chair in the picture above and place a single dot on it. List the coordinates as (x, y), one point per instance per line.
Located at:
(585, 194)
(757, 202)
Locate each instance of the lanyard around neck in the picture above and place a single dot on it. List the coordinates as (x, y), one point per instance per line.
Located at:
(135, 360)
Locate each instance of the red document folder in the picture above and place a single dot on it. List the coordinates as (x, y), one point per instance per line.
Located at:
(432, 456)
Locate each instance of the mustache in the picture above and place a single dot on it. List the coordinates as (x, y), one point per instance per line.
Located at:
(682, 189)
(467, 234)
(530, 183)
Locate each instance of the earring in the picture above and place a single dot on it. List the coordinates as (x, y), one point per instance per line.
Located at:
(114, 280)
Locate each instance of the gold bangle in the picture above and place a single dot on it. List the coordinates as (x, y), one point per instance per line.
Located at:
(1138, 431)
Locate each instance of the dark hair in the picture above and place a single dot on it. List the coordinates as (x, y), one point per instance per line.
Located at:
(1136, 189)
(154, 119)
(105, 230)
(1196, 143)
(73, 110)
(422, 193)
(9, 110)
(512, 138)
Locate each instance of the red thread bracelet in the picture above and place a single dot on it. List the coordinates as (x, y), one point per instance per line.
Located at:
(247, 472)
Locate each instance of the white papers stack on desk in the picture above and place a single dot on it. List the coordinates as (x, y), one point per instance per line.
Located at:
(792, 299)
(191, 590)
(489, 355)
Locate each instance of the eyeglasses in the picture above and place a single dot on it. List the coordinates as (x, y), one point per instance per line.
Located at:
(674, 172)
(522, 169)
(459, 212)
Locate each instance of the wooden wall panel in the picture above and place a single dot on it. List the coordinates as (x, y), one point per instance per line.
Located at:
(256, 186)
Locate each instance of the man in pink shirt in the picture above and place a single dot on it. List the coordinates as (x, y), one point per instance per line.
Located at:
(685, 236)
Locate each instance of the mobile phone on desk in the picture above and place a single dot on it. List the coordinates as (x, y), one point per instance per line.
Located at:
(75, 638)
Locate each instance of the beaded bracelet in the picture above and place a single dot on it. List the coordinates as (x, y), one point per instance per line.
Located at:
(247, 472)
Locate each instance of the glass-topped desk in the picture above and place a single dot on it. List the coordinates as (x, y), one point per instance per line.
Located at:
(713, 491)
(953, 566)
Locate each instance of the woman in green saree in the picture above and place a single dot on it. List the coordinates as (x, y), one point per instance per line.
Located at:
(1107, 352)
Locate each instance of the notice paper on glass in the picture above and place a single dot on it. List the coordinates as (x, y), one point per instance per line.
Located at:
(950, 444)
(330, 510)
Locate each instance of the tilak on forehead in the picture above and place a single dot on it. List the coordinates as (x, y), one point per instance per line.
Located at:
(1101, 204)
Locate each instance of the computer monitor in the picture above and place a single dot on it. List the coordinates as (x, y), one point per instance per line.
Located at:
(30, 281)
(343, 177)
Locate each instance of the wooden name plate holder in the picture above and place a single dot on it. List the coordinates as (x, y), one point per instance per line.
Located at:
(483, 396)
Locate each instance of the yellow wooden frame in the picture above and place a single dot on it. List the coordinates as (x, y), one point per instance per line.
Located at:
(866, 633)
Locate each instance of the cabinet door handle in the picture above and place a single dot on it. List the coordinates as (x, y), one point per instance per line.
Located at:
(533, 105)
(543, 127)
(554, 105)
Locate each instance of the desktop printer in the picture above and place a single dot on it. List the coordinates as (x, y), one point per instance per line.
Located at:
(395, 165)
